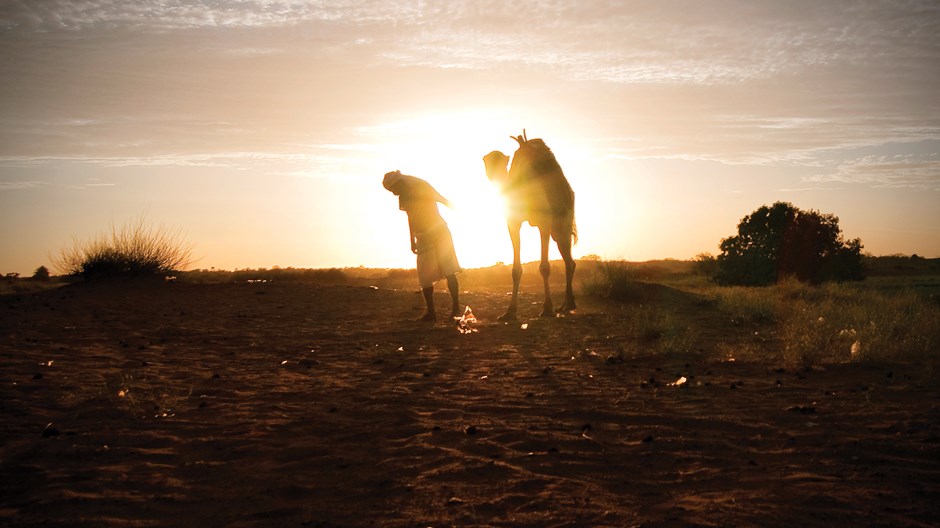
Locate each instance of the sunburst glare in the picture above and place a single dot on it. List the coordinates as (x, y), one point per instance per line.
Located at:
(446, 149)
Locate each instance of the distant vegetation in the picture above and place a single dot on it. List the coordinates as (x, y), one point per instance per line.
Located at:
(278, 274)
(838, 323)
(890, 316)
(41, 274)
(672, 306)
(135, 250)
(781, 241)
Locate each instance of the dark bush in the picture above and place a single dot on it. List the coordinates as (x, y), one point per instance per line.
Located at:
(705, 264)
(783, 241)
(41, 274)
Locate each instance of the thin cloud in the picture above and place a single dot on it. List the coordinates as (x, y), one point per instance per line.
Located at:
(727, 62)
(226, 159)
(29, 15)
(19, 185)
(317, 161)
(898, 171)
(807, 189)
(638, 43)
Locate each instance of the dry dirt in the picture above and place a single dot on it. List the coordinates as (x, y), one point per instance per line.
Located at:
(294, 405)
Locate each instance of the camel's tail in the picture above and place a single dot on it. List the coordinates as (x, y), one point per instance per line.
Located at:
(574, 225)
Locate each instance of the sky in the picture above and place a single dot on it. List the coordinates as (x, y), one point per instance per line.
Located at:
(261, 129)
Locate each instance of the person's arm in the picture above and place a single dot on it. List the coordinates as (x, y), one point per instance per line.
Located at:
(443, 200)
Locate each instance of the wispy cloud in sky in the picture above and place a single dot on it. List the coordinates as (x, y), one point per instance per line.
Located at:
(16, 185)
(895, 171)
(799, 60)
(44, 15)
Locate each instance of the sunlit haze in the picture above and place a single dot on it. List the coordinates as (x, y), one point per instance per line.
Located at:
(262, 128)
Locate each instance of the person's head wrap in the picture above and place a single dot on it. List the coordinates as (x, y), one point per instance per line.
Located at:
(391, 179)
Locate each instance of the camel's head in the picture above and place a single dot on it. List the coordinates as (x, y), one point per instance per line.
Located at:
(497, 167)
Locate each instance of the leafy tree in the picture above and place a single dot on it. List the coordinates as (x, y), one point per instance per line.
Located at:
(780, 241)
(41, 274)
(705, 264)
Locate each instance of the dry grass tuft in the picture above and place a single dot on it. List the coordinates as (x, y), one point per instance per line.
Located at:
(137, 249)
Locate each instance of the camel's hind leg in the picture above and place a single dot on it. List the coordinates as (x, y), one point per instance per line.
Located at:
(564, 247)
(545, 268)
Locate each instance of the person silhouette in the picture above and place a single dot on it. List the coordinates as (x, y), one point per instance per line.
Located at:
(430, 237)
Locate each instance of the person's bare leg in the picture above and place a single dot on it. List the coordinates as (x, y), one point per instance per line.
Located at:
(454, 295)
(429, 301)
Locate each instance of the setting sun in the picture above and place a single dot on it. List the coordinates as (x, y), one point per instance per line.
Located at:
(479, 226)
(447, 150)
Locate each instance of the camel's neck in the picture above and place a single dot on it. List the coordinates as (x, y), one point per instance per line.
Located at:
(498, 174)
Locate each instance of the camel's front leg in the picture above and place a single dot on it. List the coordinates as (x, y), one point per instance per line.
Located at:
(510, 314)
(545, 268)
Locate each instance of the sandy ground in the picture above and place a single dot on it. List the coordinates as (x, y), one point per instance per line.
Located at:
(296, 405)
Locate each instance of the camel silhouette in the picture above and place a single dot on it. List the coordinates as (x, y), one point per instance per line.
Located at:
(537, 192)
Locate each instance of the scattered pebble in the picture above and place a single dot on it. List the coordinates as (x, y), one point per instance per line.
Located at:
(50, 431)
(679, 382)
(802, 409)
